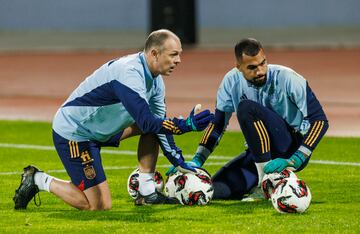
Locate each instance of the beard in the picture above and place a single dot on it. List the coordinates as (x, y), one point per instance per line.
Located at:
(259, 81)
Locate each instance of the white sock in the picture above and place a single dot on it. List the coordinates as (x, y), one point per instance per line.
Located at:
(43, 180)
(260, 171)
(146, 183)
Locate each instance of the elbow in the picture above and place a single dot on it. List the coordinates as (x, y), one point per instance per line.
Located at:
(326, 126)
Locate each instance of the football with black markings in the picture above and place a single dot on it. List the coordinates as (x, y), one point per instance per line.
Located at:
(269, 181)
(193, 189)
(291, 196)
(133, 183)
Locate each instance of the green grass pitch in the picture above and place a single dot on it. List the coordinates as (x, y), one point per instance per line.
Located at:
(335, 188)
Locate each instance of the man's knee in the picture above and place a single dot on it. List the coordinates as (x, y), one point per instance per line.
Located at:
(221, 191)
(98, 197)
(102, 206)
(246, 109)
(85, 204)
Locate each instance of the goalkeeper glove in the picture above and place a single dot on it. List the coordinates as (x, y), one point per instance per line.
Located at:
(197, 161)
(194, 122)
(279, 164)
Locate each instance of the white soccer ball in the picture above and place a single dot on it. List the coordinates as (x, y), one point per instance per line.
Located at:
(269, 181)
(202, 171)
(291, 196)
(133, 183)
(170, 186)
(193, 189)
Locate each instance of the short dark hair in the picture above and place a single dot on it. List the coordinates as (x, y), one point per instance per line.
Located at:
(157, 39)
(248, 46)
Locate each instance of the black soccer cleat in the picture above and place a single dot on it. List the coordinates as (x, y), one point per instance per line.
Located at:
(155, 198)
(27, 188)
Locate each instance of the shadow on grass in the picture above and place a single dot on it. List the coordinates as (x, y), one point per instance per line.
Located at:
(128, 214)
(236, 206)
(318, 202)
(159, 213)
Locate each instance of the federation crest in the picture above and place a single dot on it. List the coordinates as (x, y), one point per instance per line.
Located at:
(89, 172)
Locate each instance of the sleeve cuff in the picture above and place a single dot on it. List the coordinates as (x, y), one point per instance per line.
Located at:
(307, 152)
(202, 150)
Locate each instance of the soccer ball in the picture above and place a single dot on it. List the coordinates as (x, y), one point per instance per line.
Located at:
(291, 196)
(194, 189)
(133, 183)
(170, 185)
(202, 171)
(269, 181)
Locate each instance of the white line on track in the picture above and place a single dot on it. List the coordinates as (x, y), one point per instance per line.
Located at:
(126, 152)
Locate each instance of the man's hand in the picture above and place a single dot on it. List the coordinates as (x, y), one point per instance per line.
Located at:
(173, 170)
(185, 168)
(179, 163)
(279, 164)
(195, 121)
(196, 161)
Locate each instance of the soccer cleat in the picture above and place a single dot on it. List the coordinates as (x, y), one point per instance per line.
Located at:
(27, 188)
(155, 198)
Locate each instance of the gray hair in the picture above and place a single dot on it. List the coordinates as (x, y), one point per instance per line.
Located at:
(157, 38)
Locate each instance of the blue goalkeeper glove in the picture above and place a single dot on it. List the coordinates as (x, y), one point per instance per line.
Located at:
(197, 161)
(194, 122)
(280, 164)
(186, 167)
(180, 165)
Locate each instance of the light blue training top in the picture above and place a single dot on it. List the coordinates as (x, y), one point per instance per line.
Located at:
(118, 94)
(284, 92)
(95, 110)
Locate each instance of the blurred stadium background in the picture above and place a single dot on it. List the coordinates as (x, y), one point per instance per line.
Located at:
(47, 47)
(89, 24)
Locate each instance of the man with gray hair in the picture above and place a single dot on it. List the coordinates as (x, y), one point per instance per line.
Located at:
(123, 98)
